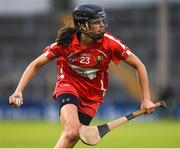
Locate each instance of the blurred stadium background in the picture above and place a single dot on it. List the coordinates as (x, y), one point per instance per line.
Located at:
(150, 27)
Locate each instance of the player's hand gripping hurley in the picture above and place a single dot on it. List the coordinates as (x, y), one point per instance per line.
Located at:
(91, 135)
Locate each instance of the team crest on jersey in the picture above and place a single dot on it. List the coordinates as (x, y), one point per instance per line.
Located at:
(99, 59)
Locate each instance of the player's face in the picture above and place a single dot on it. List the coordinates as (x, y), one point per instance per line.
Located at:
(98, 26)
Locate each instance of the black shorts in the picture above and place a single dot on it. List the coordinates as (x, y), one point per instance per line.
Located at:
(64, 99)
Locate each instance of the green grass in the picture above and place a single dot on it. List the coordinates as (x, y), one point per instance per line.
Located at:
(43, 134)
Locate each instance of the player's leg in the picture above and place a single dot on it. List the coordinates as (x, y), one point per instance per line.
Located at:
(69, 121)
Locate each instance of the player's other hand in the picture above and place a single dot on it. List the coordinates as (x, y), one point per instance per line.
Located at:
(16, 99)
(148, 105)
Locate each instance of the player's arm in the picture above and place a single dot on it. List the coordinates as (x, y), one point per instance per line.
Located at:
(28, 74)
(140, 68)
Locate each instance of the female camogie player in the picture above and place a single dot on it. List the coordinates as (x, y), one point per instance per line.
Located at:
(83, 54)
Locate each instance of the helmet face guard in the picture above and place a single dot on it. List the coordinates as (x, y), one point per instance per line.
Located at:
(88, 14)
(104, 20)
(92, 33)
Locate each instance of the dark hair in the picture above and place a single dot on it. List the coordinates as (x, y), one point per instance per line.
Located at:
(65, 35)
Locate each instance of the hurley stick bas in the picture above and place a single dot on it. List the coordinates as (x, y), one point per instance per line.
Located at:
(91, 135)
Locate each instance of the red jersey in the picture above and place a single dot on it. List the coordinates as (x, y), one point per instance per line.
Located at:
(84, 71)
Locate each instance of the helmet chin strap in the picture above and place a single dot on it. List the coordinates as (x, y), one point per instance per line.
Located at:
(97, 37)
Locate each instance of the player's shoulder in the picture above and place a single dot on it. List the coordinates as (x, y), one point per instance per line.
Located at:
(107, 34)
(109, 37)
(54, 45)
(111, 40)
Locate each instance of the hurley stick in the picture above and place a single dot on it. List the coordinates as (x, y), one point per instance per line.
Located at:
(91, 135)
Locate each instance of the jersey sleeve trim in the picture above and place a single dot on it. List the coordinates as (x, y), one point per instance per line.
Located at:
(47, 55)
(119, 53)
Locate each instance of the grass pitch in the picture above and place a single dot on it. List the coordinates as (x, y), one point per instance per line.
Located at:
(43, 134)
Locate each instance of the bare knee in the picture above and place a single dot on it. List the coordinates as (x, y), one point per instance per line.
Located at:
(72, 134)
